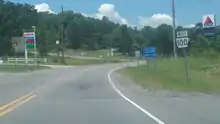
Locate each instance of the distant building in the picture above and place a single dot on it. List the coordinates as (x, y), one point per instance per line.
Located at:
(18, 44)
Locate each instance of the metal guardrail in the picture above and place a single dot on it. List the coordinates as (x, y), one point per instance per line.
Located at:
(18, 60)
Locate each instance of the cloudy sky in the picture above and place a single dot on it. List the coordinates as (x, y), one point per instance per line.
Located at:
(135, 12)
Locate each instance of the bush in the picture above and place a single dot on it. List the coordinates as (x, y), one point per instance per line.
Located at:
(206, 54)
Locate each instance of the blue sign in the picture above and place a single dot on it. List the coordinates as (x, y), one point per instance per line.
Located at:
(149, 52)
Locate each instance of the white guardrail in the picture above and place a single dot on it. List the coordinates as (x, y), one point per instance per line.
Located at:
(32, 60)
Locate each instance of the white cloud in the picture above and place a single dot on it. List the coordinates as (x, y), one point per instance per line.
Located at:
(155, 20)
(189, 26)
(84, 14)
(108, 10)
(43, 7)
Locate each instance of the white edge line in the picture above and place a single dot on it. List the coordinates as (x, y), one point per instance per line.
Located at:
(130, 101)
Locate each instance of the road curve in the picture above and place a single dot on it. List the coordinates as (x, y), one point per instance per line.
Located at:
(95, 95)
(81, 95)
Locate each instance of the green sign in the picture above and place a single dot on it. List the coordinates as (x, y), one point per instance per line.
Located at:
(30, 46)
(29, 43)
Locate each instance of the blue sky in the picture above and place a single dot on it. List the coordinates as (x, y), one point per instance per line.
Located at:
(187, 11)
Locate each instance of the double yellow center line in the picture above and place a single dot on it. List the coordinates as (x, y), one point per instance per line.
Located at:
(7, 108)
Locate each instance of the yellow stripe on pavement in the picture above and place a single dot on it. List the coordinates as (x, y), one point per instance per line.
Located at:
(17, 105)
(15, 101)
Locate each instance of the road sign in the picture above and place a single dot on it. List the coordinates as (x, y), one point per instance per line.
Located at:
(182, 42)
(149, 52)
(182, 34)
(151, 55)
(29, 38)
(29, 43)
(209, 24)
(209, 21)
(29, 34)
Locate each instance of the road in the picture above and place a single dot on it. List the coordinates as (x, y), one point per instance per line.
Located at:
(95, 95)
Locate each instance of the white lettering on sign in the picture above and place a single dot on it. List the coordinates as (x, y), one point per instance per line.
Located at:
(182, 42)
(182, 34)
(29, 34)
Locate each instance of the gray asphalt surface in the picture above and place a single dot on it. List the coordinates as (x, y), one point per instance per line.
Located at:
(80, 95)
(83, 95)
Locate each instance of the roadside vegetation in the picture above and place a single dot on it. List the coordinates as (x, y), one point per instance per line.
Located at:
(20, 68)
(76, 32)
(169, 74)
(79, 62)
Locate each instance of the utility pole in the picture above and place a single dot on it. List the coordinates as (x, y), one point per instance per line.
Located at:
(174, 29)
(62, 37)
(35, 45)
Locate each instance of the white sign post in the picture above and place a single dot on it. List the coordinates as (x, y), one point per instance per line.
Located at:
(57, 42)
(182, 42)
(137, 54)
(58, 50)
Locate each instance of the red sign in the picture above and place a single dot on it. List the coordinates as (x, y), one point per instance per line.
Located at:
(208, 21)
(30, 41)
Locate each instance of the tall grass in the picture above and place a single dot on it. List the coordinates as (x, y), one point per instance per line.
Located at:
(204, 74)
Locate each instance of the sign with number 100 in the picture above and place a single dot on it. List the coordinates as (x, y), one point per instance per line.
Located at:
(182, 42)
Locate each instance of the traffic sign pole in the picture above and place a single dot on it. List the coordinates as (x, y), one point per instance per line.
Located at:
(182, 42)
(35, 46)
(26, 53)
(149, 53)
(186, 64)
(137, 54)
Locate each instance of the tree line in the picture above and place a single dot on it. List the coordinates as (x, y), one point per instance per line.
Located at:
(76, 31)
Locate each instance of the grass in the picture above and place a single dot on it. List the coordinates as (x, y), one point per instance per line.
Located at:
(204, 74)
(20, 68)
(80, 62)
(97, 53)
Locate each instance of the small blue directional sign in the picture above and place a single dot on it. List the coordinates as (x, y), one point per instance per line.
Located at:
(149, 52)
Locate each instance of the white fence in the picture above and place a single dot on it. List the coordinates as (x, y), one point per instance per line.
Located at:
(30, 60)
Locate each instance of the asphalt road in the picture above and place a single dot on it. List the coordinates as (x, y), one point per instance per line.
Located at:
(95, 95)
